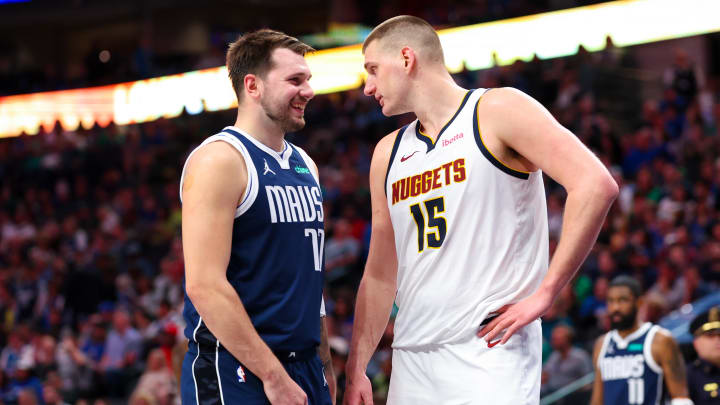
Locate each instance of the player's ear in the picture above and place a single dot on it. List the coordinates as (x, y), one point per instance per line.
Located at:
(252, 85)
(409, 58)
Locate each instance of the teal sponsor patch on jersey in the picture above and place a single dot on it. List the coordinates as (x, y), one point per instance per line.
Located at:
(635, 347)
(302, 170)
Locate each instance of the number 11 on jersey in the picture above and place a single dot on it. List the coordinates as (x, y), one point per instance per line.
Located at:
(436, 236)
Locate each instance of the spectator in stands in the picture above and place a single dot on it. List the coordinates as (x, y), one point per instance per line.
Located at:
(157, 384)
(341, 251)
(121, 354)
(566, 363)
(51, 396)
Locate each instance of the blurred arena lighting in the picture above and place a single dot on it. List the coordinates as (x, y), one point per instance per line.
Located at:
(547, 35)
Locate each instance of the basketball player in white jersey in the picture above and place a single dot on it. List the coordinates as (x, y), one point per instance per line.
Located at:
(459, 229)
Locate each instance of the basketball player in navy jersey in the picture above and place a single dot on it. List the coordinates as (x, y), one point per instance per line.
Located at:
(252, 225)
(459, 229)
(634, 359)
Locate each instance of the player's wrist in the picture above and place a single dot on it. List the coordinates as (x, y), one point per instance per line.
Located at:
(273, 373)
(353, 370)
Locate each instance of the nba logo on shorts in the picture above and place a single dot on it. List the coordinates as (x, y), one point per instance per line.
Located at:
(241, 374)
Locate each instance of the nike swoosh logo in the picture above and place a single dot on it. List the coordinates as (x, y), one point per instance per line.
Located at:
(404, 158)
(493, 344)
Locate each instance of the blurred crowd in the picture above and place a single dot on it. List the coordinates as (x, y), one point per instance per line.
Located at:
(138, 44)
(91, 263)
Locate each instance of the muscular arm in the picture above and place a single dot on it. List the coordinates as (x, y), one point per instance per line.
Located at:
(377, 288)
(597, 389)
(517, 122)
(211, 192)
(667, 354)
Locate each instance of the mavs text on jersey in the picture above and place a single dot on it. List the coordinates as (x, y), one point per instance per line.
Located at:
(275, 266)
(630, 374)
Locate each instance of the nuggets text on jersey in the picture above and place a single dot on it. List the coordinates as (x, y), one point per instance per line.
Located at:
(426, 181)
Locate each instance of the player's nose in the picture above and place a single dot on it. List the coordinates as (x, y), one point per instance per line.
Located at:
(307, 91)
(369, 89)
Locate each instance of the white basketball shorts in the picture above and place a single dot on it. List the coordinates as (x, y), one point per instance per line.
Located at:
(470, 372)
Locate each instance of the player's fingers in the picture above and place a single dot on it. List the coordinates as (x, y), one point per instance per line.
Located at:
(490, 326)
(498, 317)
(499, 327)
(510, 331)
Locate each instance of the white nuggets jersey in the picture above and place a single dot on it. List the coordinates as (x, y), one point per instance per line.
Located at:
(471, 234)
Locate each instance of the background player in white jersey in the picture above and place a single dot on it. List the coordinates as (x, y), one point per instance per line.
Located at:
(634, 358)
(482, 154)
(252, 228)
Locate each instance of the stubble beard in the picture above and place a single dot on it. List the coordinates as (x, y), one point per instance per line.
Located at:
(280, 115)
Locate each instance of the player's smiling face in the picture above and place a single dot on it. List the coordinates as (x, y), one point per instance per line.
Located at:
(385, 79)
(286, 90)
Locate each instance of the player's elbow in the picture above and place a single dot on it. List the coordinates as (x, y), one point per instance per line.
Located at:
(608, 188)
(598, 186)
(198, 290)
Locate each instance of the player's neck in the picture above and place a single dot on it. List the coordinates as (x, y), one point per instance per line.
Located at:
(255, 123)
(627, 332)
(436, 101)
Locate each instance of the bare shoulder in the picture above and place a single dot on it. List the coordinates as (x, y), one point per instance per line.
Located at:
(216, 164)
(506, 100)
(215, 155)
(385, 145)
(382, 152)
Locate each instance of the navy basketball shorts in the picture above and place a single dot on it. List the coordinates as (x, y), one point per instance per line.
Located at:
(213, 376)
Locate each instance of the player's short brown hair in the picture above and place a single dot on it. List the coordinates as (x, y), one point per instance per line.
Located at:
(251, 54)
(407, 30)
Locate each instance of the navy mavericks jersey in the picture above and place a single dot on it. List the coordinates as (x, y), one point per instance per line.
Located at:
(276, 259)
(629, 373)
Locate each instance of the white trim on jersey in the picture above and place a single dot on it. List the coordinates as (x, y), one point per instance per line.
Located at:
(251, 190)
(647, 350)
(192, 368)
(283, 158)
(217, 371)
(622, 343)
(322, 307)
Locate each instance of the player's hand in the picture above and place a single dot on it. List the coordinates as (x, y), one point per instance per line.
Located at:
(515, 316)
(358, 390)
(284, 391)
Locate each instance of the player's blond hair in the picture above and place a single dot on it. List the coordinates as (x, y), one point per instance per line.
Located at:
(406, 30)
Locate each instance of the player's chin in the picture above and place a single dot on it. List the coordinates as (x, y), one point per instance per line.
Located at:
(297, 124)
(388, 111)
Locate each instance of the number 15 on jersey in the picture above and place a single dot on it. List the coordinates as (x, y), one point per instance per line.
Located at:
(427, 216)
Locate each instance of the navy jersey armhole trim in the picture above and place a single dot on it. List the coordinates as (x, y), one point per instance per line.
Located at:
(488, 155)
(395, 148)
